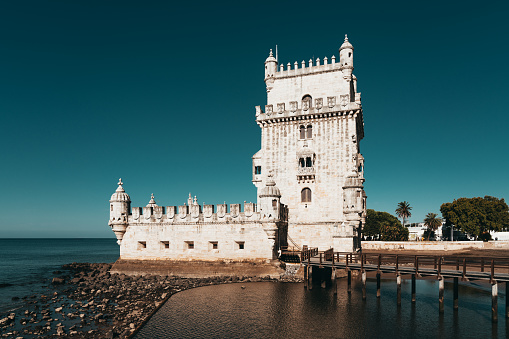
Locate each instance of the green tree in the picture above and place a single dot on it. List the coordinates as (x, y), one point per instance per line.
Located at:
(393, 232)
(432, 221)
(403, 211)
(376, 221)
(477, 216)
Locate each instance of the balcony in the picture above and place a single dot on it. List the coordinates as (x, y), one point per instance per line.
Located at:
(306, 170)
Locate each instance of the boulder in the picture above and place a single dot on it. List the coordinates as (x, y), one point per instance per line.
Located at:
(57, 281)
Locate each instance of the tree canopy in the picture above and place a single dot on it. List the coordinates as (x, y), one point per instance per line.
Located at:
(403, 211)
(477, 216)
(432, 221)
(383, 226)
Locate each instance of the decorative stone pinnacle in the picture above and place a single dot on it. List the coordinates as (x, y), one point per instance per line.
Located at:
(346, 38)
(270, 54)
(152, 201)
(120, 183)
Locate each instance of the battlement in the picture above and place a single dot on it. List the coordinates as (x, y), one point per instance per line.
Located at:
(195, 213)
(311, 67)
(283, 110)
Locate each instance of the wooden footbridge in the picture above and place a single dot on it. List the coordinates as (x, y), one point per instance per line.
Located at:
(465, 268)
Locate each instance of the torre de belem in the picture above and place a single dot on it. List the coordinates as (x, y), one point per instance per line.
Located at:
(308, 175)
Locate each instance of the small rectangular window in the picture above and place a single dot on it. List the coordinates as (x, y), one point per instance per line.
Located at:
(142, 245)
(240, 245)
(213, 245)
(258, 169)
(165, 244)
(190, 245)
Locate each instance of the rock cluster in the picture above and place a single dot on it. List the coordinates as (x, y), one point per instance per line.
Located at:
(89, 302)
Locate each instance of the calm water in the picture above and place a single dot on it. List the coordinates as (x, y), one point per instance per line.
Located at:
(26, 265)
(278, 310)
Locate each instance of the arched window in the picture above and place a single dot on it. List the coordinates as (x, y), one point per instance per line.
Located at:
(309, 133)
(302, 163)
(111, 208)
(305, 195)
(302, 132)
(274, 204)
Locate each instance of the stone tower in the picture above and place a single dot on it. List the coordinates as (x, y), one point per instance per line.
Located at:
(120, 208)
(311, 129)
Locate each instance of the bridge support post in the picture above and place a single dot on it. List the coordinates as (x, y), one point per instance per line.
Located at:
(441, 294)
(398, 283)
(306, 270)
(334, 281)
(507, 299)
(310, 277)
(363, 285)
(494, 301)
(378, 284)
(455, 303)
(323, 282)
(349, 290)
(413, 288)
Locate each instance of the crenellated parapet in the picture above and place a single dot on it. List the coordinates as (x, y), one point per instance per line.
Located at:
(184, 214)
(311, 67)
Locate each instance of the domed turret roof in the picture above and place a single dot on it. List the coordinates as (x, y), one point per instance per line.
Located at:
(270, 189)
(271, 57)
(152, 202)
(346, 44)
(120, 194)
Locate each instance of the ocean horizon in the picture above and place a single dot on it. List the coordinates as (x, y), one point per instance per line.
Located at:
(28, 264)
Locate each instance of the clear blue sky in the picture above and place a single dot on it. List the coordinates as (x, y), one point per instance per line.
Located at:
(163, 95)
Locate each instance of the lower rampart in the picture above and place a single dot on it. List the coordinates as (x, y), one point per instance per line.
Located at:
(199, 269)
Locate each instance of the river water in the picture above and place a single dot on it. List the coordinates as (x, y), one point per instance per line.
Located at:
(287, 310)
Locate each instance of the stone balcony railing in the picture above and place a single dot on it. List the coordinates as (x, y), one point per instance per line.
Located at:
(306, 170)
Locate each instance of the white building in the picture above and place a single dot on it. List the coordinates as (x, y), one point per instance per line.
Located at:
(308, 174)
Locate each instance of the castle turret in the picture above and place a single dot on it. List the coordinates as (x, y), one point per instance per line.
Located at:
(120, 208)
(346, 58)
(270, 70)
(152, 202)
(270, 199)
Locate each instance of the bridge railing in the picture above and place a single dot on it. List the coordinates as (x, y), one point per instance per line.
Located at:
(418, 262)
(308, 253)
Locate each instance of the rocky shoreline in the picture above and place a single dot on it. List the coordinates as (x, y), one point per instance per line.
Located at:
(87, 301)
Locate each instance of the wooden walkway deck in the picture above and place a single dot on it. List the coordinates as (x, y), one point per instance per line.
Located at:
(492, 269)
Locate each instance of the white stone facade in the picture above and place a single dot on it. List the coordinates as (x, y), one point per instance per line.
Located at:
(308, 174)
(311, 129)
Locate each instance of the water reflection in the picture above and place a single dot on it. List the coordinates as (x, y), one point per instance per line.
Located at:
(278, 310)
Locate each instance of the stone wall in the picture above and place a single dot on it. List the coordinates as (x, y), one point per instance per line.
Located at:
(433, 245)
(198, 241)
(197, 269)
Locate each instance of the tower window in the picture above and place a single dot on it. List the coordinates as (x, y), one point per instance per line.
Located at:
(111, 207)
(309, 163)
(302, 162)
(274, 203)
(306, 132)
(258, 169)
(305, 195)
